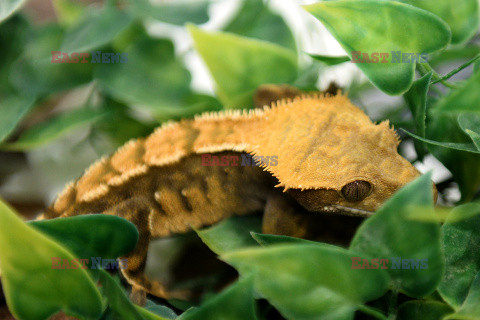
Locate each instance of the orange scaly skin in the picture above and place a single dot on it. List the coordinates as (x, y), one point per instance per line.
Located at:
(323, 143)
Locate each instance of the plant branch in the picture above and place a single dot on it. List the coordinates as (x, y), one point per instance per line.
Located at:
(371, 311)
(455, 71)
(437, 77)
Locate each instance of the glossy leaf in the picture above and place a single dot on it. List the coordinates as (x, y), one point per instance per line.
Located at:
(34, 71)
(52, 129)
(14, 35)
(256, 20)
(8, 7)
(416, 99)
(234, 303)
(464, 99)
(68, 12)
(465, 166)
(470, 309)
(462, 16)
(239, 65)
(470, 123)
(272, 239)
(466, 53)
(153, 77)
(468, 147)
(13, 110)
(95, 29)
(174, 12)
(33, 289)
(388, 234)
(423, 309)
(92, 235)
(119, 304)
(231, 234)
(461, 242)
(362, 26)
(330, 60)
(160, 310)
(320, 281)
(192, 104)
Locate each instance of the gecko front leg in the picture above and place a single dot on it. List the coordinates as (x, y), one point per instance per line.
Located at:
(285, 216)
(137, 210)
(282, 216)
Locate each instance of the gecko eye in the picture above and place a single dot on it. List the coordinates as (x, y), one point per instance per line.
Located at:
(356, 191)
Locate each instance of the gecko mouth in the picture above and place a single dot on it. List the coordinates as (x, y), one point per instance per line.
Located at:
(347, 211)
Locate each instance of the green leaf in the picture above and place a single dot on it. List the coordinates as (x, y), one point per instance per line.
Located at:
(33, 289)
(476, 66)
(118, 303)
(160, 310)
(177, 12)
(320, 281)
(464, 99)
(231, 234)
(119, 124)
(388, 234)
(120, 306)
(462, 16)
(467, 52)
(14, 34)
(68, 12)
(153, 77)
(52, 129)
(92, 235)
(192, 104)
(381, 26)
(13, 109)
(34, 71)
(421, 310)
(239, 65)
(465, 166)
(470, 309)
(416, 99)
(98, 235)
(470, 123)
(256, 20)
(8, 7)
(234, 303)
(272, 239)
(461, 241)
(475, 137)
(94, 30)
(330, 60)
(468, 147)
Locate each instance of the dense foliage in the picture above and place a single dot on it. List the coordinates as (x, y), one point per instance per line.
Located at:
(300, 279)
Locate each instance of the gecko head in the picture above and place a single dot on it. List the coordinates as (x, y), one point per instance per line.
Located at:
(361, 196)
(331, 156)
(371, 171)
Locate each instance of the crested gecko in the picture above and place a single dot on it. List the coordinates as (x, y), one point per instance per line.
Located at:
(318, 152)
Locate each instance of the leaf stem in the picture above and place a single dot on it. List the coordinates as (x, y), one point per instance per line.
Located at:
(437, 77)
(423, 72)
(455, 71)
(371, 311)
